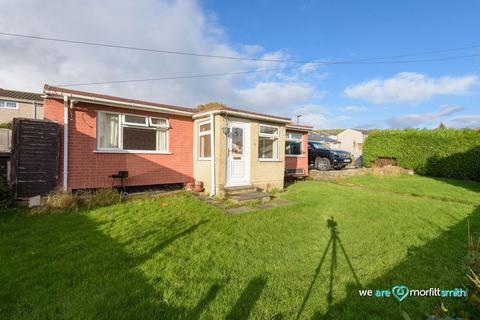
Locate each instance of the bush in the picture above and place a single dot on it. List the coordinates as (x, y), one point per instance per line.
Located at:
(7, 125)
(448, 153)
(60, 201)
(6, 194)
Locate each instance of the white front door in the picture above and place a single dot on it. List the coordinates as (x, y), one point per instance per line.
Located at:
(238, 153)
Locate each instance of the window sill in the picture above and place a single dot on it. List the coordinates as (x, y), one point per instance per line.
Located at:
(270, 160)
(132, 151)
(204, 159)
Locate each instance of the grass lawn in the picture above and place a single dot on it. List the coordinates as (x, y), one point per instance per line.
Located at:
(177, 257)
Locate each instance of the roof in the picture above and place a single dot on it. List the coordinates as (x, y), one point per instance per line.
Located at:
(299, 127)
(246, 112)
(364, 131)
(20, 95)
(315, 136)
(59, 91)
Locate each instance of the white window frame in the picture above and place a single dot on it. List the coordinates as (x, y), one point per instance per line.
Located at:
(271, 136)
(134, 124)
(201, 134)
(122, 124)
(166, 126)
(3, 104)
(290, 138)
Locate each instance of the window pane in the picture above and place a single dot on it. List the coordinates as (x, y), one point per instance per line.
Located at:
(268, 130)
(108, 130)
(159, 122)
(135, 119)
(237, 141)
(205, 127)
(8, 104)
(296, 136)
(139, 139)
(293, 147)
(162, 140)
(205, 146)
(267, 148)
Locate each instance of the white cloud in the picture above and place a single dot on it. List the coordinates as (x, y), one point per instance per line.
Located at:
(470, 121)
(277, 96)
(353, 109)
(414, 120)
(410, 87)
(168, 25)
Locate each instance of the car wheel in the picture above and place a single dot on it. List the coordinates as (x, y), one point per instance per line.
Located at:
(322, 164)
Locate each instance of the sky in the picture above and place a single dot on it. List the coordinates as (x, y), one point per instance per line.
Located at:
(303, 41)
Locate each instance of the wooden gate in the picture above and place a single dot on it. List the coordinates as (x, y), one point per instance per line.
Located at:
(35, 153)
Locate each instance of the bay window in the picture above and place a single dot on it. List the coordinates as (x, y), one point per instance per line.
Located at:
(268, 137)
(126, 132)
(293, 144)
(204, 140)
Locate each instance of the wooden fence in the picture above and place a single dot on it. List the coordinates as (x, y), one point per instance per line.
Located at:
(35, 153)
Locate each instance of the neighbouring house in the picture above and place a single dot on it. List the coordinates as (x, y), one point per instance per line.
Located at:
(164, 144)
(20, 104)
(324, 137)
(352, 140)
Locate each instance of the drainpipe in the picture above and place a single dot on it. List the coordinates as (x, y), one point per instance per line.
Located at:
(212, 159)
(65, 143)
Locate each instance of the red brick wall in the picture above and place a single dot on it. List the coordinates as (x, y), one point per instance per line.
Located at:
(88, 169)
(299, 161)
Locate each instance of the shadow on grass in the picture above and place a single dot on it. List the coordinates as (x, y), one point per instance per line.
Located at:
(65, 267)
(244, 305)
(440, 263)
(333, 244)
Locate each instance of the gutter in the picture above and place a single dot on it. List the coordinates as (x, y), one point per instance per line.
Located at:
(241, 114)
(114, 103)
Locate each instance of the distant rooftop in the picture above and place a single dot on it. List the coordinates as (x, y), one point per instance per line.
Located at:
(20, 95)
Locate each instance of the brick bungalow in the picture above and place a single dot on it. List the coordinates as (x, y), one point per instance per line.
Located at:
(164, 144)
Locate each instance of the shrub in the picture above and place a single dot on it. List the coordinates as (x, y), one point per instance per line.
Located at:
(6, 194)
(448, 153)
(7, 125)
(102, 197)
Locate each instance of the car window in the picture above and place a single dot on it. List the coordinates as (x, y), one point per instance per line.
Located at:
(318, 146)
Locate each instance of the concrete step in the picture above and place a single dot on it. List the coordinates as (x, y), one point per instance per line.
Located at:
(250, 196)
(231, 191)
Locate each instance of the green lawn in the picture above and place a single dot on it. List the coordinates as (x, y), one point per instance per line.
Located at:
(178, 257)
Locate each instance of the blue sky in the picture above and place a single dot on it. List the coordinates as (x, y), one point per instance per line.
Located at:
(349, 30)
(328, 96)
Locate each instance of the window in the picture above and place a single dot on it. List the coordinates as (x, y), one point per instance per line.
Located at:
(268, 142)
(318, 146)
(7, 104)
(205, 139)
(293, 144)
(131, 132)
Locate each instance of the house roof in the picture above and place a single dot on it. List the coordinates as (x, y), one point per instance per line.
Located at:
(299, 127)
(20, 95)
(245, 112)
(315, 136)
(60, 91)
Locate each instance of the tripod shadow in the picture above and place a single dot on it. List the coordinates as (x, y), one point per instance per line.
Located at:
(333, 243)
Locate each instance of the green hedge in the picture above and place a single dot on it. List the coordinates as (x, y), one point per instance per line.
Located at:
(446, 153)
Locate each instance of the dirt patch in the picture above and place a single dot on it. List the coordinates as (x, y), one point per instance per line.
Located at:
(382, 162)
(390, 170)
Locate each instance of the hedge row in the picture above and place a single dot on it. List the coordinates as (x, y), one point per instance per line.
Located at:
(446, 153)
